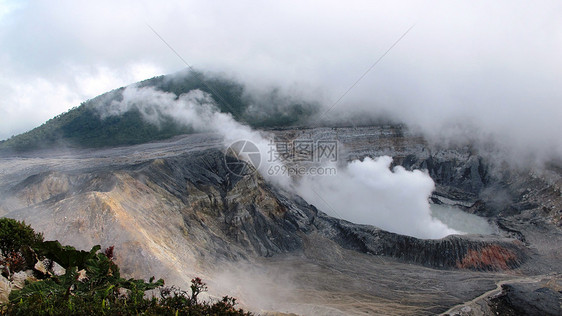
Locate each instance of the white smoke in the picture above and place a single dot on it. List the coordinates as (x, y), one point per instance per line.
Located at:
(195, 109)
(364, 192)
(369, 192)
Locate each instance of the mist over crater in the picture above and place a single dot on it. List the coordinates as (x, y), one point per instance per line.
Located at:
(308, 158)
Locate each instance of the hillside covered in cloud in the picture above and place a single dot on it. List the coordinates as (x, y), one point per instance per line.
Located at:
(93, 124)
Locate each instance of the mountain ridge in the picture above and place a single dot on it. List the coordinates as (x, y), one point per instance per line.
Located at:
(85, 127)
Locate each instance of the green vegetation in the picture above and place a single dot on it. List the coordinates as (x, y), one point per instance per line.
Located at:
(15, 235)
(17, 241)
(84, 127)
(91, 283)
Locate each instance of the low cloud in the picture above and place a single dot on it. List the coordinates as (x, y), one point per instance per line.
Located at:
(467, 72)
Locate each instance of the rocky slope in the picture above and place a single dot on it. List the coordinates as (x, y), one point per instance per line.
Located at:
(173, 209)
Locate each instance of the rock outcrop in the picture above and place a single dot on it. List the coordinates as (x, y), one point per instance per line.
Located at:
(462, 252)
(527, 299)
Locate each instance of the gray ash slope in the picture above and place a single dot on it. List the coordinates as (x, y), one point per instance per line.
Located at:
(172, 209)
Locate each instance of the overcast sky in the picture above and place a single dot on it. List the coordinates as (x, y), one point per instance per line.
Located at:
(479, 68)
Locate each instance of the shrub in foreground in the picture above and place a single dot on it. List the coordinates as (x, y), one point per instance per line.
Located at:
(92, 285)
